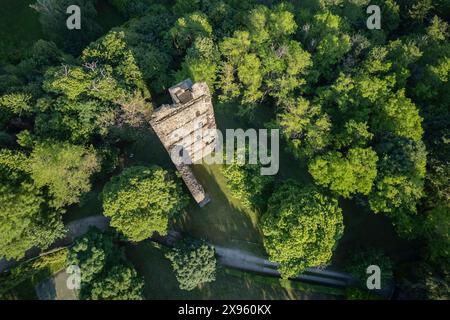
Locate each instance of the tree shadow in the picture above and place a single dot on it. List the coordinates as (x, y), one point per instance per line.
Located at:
(46, 289)
(364, 228)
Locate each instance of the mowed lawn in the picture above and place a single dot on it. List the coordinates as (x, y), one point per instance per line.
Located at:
(160, 281)
(223, 221)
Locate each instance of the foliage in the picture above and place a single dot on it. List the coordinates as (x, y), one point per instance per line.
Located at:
(53, 261)
(194, 263)
(104, 91)
(120, 283)
(305, 126)
(200, 63)
(247, 184)
(93, 252)
(65, 169)
(187, 29)
(327, 35)
(261, 60)
(360, 294)
(17, 103)
(105, 272)
(119, 65)
(358, 262)
(366, 110)
(26, 222)
(23, 80)
(131, 8)
(436, 229)
(53, 18)
(346, 175)
(301, 228)
(400, 117)
(141, 201)
(425, 281)
(151, 48)
(399, 184)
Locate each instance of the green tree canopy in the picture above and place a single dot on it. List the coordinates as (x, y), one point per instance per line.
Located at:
(399, 184)
(63, 168)
(301, 228)
(25, 220)
(120, 283)
(105, 272)
(194, 263)
(92, 253)
(305, 127)
(358, 261)
(247, 184)
(261, 59)
(141, 201)
(187, 28)
(348, 174)
(53, 18)
(201, 62)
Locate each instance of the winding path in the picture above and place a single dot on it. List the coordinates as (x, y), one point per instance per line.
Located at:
(246, 261)
(230, 257)
(239, 259)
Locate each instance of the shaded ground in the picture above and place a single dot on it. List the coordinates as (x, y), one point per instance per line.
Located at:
(160, 281)
(90, 205)
(224, 220)
(367, 229)
(242, 260)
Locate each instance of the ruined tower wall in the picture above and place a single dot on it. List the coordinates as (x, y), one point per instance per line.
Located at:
(177, 125)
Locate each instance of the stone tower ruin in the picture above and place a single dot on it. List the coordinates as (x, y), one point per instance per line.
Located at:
(177, 126)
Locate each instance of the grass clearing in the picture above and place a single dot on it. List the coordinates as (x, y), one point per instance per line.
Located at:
(224, 220)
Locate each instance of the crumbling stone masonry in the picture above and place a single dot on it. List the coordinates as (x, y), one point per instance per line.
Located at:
(177, 124)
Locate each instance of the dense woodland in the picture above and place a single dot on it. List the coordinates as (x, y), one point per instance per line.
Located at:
(367, 111)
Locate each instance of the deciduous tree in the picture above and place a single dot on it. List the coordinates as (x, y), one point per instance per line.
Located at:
(348, 174)
(194, 263)
(63, 168)
(301, 228)
(141, 201)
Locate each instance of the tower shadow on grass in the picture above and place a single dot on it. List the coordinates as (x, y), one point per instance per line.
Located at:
(224, 221)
